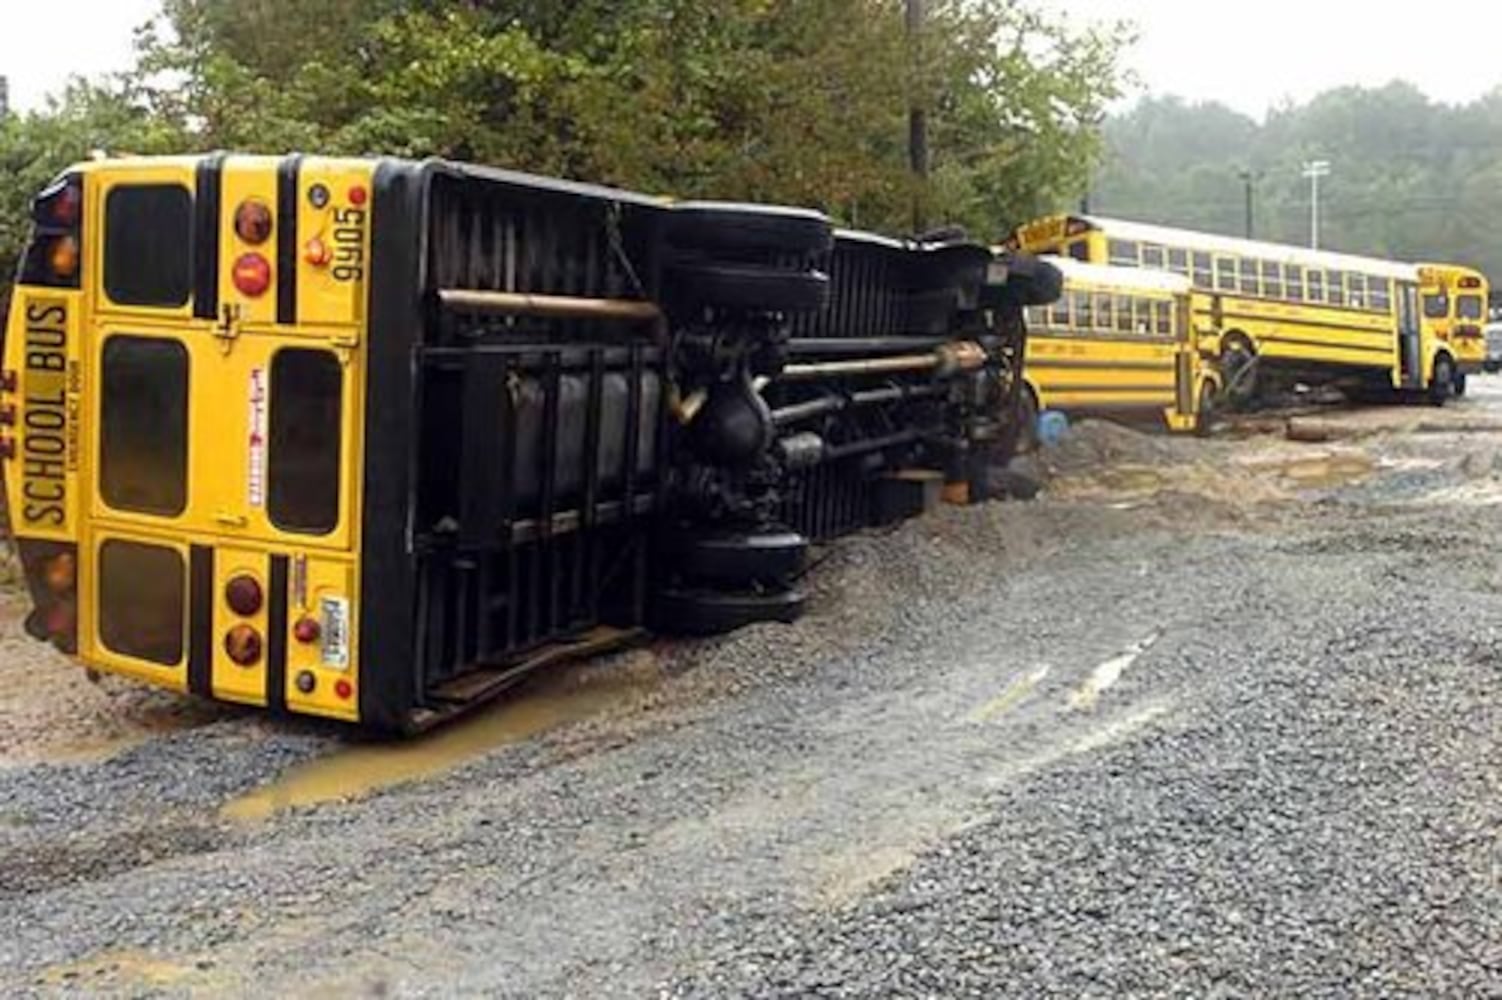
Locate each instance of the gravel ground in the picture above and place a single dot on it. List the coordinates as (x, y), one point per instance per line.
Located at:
(1210, 718)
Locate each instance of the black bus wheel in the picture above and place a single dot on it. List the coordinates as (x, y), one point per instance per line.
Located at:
(1024, 436)
(1442, 381)
(1033, 282)
(745, 286)
(740, 557)
(712, 612)
(1238, 373)
(1205, 418)
(732, 228)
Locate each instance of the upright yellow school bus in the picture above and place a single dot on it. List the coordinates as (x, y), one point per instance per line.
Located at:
(1279, 313)
(1120, 341)
(366, 439)
(1454, 306)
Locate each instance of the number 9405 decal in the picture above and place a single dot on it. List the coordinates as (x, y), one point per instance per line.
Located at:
(349, 244)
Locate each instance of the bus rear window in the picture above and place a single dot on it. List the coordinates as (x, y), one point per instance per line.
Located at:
(307, 398)
(1436, 306)
(1468, 307)
(148, 252)
(142, 601)
(143, 432)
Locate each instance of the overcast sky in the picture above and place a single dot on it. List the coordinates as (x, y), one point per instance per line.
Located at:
(43, 42)
(1254, 55)
(1247, 55)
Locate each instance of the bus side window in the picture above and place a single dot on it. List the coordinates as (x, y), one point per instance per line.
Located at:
(1059, 318)
(1142, 317)
(1272, 279)
(1125, 306)
(1379, 294)
(1178, 261)
(1335, 288)
(1034, 316)
(1203, 275)
(1356, 290)
(1294, 282)
(1316, 280)
(1163, 318)
(1084, 315)
(1080, 249)
(1122, 252)
(1152, 256)
(1104, 314)
(1225, 274)
(1248, 283)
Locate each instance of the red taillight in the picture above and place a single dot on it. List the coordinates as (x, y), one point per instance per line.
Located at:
(343, 688)
(243, 645)
(243, 595)
(357, 195)
(67, 206)
(252, 274)
(253, 222)
(307, 630)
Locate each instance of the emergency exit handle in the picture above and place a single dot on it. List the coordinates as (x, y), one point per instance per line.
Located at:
(231, 520)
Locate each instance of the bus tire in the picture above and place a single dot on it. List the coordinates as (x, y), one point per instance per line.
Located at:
(1240, 384)
(740, 557)
(733, 228)
(1033, 282)
(747, 286)
(1442, 380)
(1025, 430)
(1204, 418)
(682, 611)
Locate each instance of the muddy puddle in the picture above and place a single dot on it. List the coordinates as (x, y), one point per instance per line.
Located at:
(1313, 471)
(361, 768)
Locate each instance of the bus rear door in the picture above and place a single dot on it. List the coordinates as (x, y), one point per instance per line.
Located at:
(225, 520)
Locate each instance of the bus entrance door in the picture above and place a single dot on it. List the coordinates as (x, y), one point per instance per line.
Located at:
(1410, 359)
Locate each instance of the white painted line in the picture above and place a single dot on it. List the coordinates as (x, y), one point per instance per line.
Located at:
(1107, 674)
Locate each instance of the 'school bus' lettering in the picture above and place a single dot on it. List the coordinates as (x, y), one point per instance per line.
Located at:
(46, 454)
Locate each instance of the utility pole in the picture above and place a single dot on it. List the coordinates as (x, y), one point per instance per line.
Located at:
(917, 116)
(1314, 170)
(1250, 179)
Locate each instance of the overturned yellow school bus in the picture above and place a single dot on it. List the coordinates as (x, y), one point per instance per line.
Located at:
(365, 439)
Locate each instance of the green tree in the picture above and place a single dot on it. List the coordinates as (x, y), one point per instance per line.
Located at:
(756, 99)
(771, 100)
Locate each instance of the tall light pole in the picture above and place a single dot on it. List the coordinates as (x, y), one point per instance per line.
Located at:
(917, 116)
(1250, 179)
(1314, 170)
